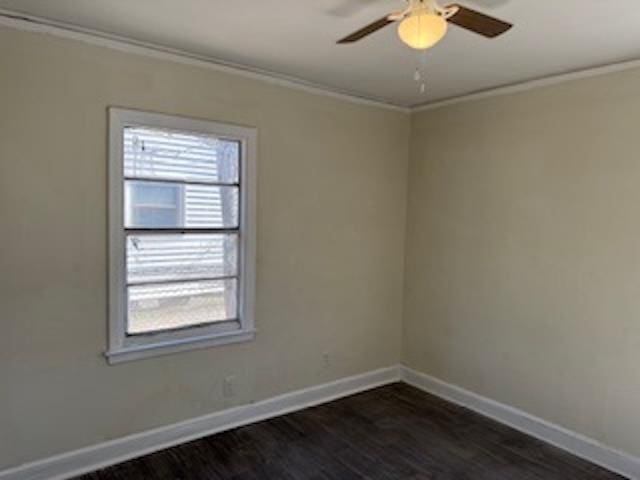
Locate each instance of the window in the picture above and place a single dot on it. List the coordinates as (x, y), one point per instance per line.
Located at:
(182, 234)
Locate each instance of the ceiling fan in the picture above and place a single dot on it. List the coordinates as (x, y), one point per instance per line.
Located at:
(424, 23)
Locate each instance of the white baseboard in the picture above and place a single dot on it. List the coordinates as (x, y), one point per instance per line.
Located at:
(579, 445)
(91, 458)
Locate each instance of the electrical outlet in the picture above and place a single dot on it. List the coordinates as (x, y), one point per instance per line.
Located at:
(229, 386)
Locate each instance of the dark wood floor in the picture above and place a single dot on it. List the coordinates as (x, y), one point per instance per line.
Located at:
(393, 432)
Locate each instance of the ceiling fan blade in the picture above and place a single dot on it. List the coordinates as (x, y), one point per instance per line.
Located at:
(477, 22)
(368, 30)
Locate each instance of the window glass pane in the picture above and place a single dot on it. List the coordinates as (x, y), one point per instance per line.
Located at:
(157, 258)
(169, 205)
(163, 154)
(178, 305)
(154, 204)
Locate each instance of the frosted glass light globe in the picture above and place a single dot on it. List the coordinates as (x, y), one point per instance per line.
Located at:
(422, 30)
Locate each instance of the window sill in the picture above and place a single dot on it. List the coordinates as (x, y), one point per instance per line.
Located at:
(139, 352)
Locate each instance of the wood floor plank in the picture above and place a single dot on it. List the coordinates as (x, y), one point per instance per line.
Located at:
(396, 432)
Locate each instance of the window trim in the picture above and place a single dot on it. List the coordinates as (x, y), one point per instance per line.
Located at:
(122, 348)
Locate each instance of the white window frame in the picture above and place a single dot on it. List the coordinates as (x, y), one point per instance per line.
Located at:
(123, 348)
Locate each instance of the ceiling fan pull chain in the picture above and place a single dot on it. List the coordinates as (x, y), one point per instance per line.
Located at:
(419, 75)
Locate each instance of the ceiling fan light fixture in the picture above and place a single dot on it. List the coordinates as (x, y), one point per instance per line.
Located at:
(422, 30)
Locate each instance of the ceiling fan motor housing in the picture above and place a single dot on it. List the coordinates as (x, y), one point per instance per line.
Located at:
(429, 7)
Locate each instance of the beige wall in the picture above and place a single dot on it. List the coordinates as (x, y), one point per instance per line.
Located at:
(523, 252)
(522, 247)
(331, 203)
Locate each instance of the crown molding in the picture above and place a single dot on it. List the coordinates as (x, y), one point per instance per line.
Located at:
(530, 85)
(31, 23)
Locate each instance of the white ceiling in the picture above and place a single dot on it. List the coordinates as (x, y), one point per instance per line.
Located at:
(297, 38)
